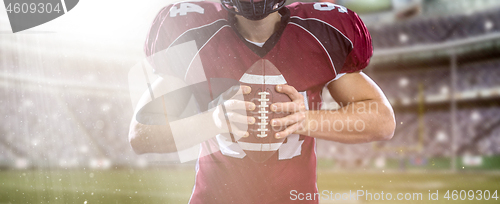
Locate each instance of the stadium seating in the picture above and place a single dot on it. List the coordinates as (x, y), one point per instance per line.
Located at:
(472, 77)
(423, 31)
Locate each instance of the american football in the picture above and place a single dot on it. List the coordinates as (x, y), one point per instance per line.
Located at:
(263, 77)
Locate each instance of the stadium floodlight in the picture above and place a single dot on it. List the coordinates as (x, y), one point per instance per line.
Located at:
(488, 25)
(475, 116)
(406, 101)
(403, 82)
(403, 38)
(441, 136)
(444, 90)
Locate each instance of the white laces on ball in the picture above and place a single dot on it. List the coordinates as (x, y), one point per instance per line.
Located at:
(263, 114)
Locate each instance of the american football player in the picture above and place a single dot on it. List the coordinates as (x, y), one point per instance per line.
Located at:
(314, 45)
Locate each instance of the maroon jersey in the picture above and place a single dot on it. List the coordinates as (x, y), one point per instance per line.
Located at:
(315, 43)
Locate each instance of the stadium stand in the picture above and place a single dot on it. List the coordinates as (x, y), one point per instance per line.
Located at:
(435, 30)
(472, 77)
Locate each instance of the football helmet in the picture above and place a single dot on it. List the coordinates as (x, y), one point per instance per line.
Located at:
(253, 9)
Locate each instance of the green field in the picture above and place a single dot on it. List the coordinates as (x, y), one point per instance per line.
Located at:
(174, 185)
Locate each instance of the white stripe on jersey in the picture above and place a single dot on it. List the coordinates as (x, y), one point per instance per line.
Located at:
(259, 79)
(259, 146)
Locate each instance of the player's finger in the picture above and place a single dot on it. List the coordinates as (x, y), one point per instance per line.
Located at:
(238, 118)
(290, 91)
(288, 107)
(236, 132)
(245, 89)
(239, 134)
(288, 120)
(289, 130)
(234, 104)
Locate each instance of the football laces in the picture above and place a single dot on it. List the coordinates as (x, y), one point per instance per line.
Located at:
(263, 114)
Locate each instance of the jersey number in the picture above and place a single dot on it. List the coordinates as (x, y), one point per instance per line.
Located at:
(184, 8)
(290, 149)
(327, 6)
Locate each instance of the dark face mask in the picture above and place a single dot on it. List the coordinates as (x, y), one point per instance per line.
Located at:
(253, 11)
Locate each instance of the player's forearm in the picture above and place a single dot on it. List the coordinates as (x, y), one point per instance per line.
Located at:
(151, 138)
(173, 136)
(358, 122)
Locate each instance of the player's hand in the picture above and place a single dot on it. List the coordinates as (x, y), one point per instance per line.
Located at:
(297, 109)
(231, 112)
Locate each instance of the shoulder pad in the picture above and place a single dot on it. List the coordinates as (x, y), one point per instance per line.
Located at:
(175, 19)
(338, 19)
